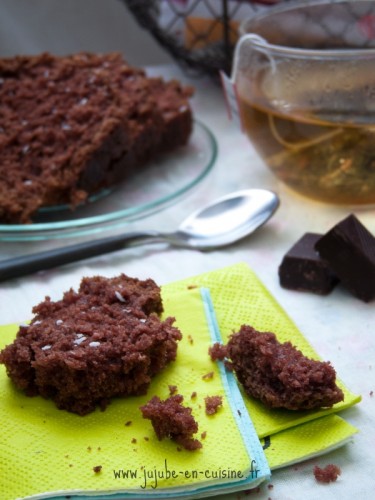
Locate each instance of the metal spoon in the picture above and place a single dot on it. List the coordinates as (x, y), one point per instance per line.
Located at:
(220, 223)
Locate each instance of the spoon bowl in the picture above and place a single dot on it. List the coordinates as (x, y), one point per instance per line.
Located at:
(221, 223)
(226, 220)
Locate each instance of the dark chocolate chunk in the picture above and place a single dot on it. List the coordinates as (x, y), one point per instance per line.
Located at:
(303, 269)
(349, 249)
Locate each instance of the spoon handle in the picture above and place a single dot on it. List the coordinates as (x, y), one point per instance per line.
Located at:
(40, 261)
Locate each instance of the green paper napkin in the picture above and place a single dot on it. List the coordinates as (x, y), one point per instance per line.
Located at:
(59, 450)
(238, 297)
(46, 452)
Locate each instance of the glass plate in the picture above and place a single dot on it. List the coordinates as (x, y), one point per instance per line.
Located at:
(162, 182)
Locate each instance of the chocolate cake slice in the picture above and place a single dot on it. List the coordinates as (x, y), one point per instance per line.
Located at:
(73, 125)
(104, 341)
(278, 374)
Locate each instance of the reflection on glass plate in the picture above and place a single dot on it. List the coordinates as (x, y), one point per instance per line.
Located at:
(153, 188)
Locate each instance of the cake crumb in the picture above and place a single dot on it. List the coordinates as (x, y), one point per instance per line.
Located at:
(170, 419)
(133, 441)
(328, 474)
(97, 469)
(204, 435)
(213, 403)
(208, 376)
(193, 395)
(190, 339)
(217, 351)
(172, 389)
(129, 422)
(192, 287)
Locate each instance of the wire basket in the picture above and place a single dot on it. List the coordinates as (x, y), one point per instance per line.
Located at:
(199, 34)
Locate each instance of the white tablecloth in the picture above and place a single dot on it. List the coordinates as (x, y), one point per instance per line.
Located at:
(340, 327)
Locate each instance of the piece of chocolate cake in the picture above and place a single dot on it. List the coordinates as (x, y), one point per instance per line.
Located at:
(349, 249)
(73, 125)
(104, 341)
(303, 269)
(278, 374)
(170, 419)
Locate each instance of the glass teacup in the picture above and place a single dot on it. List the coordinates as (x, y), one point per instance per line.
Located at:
(305, 77)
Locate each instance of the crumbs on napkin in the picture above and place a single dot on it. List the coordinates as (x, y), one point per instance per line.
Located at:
(213, 403)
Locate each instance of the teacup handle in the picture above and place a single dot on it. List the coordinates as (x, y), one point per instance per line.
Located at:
(257, 42)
